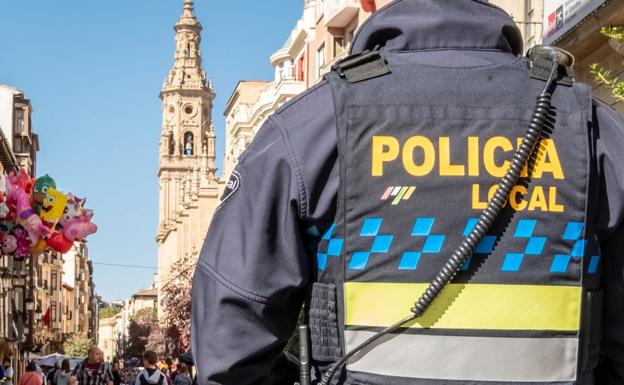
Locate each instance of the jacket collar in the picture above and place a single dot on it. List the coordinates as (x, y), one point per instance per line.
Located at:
(414, 25)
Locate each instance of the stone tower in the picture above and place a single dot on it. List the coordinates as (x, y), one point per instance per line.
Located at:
(189, 189)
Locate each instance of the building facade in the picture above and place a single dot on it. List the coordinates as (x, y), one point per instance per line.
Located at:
(19, 143)
(320, 38)
(528, 16)
(575, 27)
(143, 299)
(78, 308)
(189, 189)
(108, 338)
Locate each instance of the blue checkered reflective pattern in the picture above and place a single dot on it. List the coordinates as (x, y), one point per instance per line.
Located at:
(334, 247)
(486, 246)
(433, 243)
(534, 245)
(574, 233)
(381, 243)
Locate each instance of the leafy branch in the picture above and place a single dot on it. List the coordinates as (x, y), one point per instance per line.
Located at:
(613, 32)
(603, 76)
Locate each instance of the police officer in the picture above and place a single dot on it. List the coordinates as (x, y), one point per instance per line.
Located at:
(353, 197)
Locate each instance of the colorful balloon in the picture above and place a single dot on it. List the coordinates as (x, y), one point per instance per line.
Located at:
(39, 247)
(80, 228)
(40, 191)
(53, 207)
(8, 244)
(58, 242)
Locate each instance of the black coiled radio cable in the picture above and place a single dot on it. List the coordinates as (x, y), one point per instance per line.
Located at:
(486, 219)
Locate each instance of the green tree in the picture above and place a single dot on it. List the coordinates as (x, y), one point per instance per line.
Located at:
(77, 346)
(142, 324)
(603, 76)
(108, 312)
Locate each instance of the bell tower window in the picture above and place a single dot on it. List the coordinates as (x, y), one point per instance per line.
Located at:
(188, 144)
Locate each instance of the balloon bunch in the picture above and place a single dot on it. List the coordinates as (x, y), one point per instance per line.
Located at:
(35, 216)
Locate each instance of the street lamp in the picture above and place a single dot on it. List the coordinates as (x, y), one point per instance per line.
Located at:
(6, 278)
(19, 281)
(30, 304)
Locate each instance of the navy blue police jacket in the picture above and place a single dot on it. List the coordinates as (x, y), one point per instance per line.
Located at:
(272, 240)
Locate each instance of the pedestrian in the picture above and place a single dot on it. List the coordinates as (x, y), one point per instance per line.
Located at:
(165, 371)
(174, 369)
(93, 370)
(422, 168)
(116, 376)
(182, 378)
(8, 372)
(30, 377)
(52, 373)
(150, 375)
(61, 376)
(41, 374)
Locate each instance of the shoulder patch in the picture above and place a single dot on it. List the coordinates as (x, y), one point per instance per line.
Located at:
(231, 187)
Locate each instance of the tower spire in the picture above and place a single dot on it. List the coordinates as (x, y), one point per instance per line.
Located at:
(187, 72)
(188, 14)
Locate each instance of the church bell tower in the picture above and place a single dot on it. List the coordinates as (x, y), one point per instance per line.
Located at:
(188, 186)
(187, 144)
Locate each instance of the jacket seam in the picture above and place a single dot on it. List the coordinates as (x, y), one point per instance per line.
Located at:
(233, 287)
(297, 98)
(303, 200)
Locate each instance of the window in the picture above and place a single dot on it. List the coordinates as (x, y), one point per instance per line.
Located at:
(300, 68)
(339, 45)
(53, 311)
(53, 280)
(17, 145)
(320, 60)
(19, 122)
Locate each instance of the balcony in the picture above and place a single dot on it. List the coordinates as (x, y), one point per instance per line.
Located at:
(339, 13)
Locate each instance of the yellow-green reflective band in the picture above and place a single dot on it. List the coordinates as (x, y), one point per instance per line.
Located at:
(466, 306)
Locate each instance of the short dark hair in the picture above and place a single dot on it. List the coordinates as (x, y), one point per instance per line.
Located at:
(31, 367)
(65, 365)
(6, 360)
(151, 357)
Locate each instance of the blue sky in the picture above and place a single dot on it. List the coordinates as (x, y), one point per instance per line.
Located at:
(93, 71)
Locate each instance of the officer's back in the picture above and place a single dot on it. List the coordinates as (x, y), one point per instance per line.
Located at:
(354, 195)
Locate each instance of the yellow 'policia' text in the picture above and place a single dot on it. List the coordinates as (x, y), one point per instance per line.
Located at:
(420, 155)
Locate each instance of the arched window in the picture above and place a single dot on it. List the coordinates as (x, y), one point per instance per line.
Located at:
(188, 144)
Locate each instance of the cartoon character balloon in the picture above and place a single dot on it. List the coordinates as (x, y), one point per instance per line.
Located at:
(23, 243)
(40, 191)
(73, 210)
(53, 207)
(24, 214)
(80, 228)
(8, 244)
